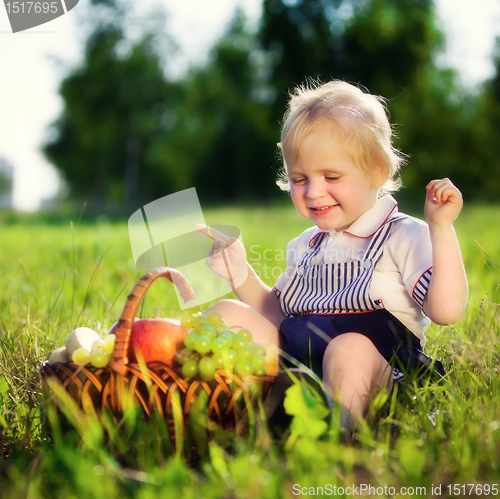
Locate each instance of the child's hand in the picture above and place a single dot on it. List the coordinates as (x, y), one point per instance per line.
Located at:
(443, 202)
(227, 257)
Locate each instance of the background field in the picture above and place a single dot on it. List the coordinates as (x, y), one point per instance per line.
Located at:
(57, 275)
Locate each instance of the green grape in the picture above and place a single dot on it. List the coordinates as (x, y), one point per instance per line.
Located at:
(187, 321)
(260, 372)
(180, 359)
(259, 349)
(228, 334)
(183, 356)
(190, 340)
(244, 368)
(190, 368)
(218, 344)
(218, 360)
(97, 346)
(207, 330)
(225, 341)
(198, 319)
(245, 333)
(203, 344)
(258, 361)
(109, 344)
(228, 358)
(80, 356)
(245, 353)
(206, 368)
(99, 359)
(220, 329)
(214, 318)
(238, 343)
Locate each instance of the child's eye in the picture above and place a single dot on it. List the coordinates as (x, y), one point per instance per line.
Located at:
(332, 179)
(298, 181)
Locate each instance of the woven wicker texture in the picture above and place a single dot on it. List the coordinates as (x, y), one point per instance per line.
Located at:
(152, 386)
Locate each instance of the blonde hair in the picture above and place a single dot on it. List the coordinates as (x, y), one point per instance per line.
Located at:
(360, 119)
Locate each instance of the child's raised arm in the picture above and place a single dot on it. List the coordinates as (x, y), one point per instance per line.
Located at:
(446, 297)
(227, 258)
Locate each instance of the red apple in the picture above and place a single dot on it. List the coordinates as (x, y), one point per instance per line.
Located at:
(154, 339)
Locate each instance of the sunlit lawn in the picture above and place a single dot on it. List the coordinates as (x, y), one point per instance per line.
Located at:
(57, 277)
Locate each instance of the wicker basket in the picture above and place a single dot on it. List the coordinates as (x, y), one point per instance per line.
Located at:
(155, 386)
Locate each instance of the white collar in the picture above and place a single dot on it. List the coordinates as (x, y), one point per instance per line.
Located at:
(369, 222)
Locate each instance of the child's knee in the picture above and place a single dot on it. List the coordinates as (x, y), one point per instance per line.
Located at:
(237, 314)
(225, 306)
(349, 346)
(352, 354)
(229, 310)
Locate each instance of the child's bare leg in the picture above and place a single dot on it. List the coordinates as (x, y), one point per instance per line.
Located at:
(354, 370)
(236, 313)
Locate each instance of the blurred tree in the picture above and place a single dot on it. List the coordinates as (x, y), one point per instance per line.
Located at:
(6, 183)
(127, 132)
(388, 46)
(114, 115)
(224, 141)
(231, 109)
(381, 44)
(486, 151)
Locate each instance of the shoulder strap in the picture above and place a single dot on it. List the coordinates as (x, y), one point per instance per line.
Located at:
(376, 246)
(396, 217)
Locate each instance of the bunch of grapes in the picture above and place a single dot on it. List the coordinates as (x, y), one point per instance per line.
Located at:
(210, 345)
(100, 354)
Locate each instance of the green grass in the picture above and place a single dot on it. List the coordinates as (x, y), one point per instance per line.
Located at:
(56, 276)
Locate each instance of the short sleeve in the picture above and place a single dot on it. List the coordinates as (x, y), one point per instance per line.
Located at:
(413, 256)
(421, 287)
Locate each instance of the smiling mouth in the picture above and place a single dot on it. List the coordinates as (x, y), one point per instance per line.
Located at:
(324, 208)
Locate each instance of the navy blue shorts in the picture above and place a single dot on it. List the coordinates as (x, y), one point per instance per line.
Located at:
(395, 342)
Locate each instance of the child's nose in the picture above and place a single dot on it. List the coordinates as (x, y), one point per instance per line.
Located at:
(315, 190)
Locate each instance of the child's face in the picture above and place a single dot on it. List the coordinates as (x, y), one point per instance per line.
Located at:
(326, 186)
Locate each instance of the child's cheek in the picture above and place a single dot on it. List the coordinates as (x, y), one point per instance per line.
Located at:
(294, 192)
(296, 197)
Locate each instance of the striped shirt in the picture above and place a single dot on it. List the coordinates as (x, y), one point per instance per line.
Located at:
(384, 259)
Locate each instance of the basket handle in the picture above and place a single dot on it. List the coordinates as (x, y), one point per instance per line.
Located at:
(119, 357)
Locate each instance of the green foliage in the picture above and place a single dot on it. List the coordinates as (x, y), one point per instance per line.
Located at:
(411, 456)
(389, 47)
(486, 163)
(308, 412)
(130, 134)
(6, 184)
(114, 118)
(224, 139)
(381, 44)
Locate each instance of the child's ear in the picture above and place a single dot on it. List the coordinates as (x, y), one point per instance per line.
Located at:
(380, 175)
